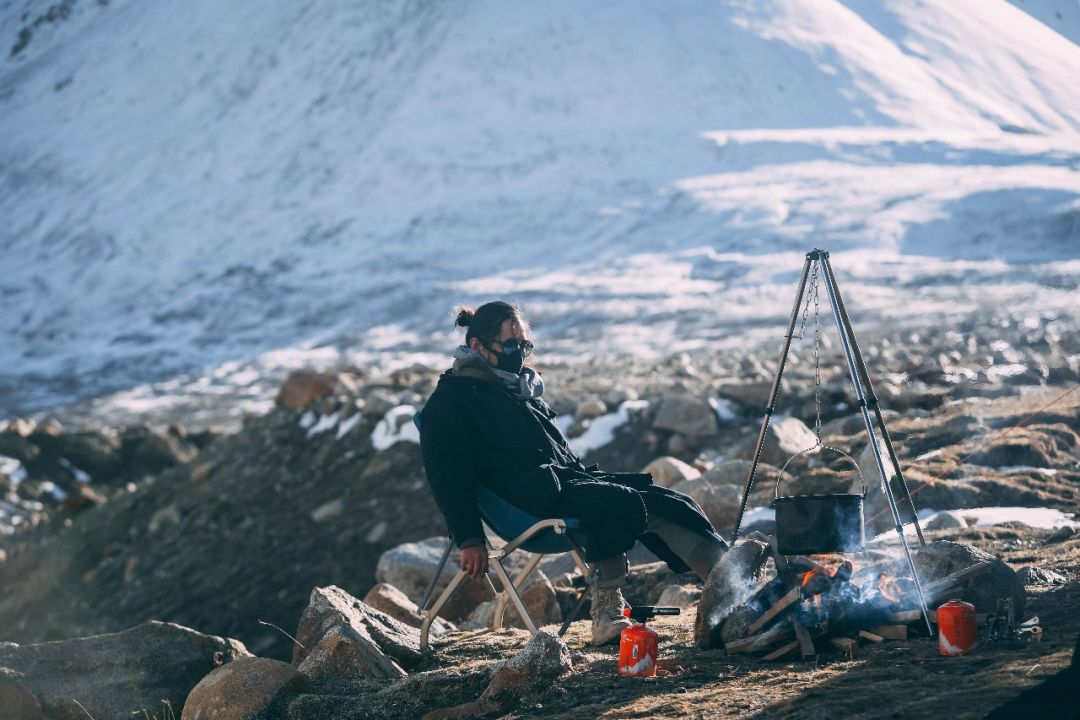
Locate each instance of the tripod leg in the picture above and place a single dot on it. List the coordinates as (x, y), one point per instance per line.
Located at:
(872, 400)
(856, 380)
(810, 258)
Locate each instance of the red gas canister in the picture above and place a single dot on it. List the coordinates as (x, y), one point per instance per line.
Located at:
(956, 627)
(637, 650)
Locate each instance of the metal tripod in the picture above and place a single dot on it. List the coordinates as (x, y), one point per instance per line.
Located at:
(864, 393)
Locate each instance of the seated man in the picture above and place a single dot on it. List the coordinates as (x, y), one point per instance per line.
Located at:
(487, 423)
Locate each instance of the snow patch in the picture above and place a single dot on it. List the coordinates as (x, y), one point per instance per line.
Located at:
(395, 426)
(324, 423)
(13, 469)
(601, 430)
(348, 425)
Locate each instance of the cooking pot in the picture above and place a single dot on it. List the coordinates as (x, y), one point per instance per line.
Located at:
(813, 524)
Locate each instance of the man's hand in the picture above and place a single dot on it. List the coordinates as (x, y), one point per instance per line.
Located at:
(474, 561)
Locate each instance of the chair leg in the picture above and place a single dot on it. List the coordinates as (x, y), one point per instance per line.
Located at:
(515, 598)
(435, 577)
(500, 606)
(589, 580)
(430, 615)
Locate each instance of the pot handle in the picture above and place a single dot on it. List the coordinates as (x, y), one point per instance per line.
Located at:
(813, 448)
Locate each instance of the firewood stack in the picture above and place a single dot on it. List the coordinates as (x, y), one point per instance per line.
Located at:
(813, 604)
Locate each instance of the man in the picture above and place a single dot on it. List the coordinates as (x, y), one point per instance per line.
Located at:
(486, 422)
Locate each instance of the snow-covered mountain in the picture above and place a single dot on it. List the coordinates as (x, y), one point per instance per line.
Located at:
(205, 193)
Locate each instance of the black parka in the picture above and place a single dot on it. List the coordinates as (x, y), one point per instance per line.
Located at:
(473, 429)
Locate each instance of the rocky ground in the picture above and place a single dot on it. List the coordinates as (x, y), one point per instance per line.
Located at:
(228, 534)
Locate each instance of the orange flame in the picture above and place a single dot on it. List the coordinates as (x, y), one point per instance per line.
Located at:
(889, 587)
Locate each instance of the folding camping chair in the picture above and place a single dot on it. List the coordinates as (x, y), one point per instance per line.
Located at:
(521, 531)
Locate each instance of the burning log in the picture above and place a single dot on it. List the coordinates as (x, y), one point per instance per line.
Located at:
(778, 607)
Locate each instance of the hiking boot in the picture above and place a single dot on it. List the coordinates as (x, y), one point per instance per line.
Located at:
(607, 615)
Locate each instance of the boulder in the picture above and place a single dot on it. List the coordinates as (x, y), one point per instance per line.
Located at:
(341, 637)
(686, 415)
(147, 452)
(411, 566)
(946, 520)
(18, 702)
(303, 387)
(81, 497)
(251, 688)
(680, 596)
(999, 581)
(386, 598)
(589, 408)
(738, 576)
(786, 437)
(750, 394)
(1034, 575)
(720, 502)
(667, 471)
(118, 674)
(540, 600)
(544, 658)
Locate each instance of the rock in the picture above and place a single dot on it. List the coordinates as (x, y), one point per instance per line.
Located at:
(148, 452)
(1034, 575)
(667, 471)
(544, 658)
(328, 510)
(386, 598)
(946, 520)
(618, 394)
(252, 688)
(411, 566)
(687, 415)
(540, 600)
(681, 596)
(943, 557)
(589, 408)
(378, 402)
(95, 452)
(483, 616)
(786, 437)
(168, 515)
(201, 472)
(735, 579)
(737, 624)
(720, 502)
(341, 637)
(750, 394)
(81, 497)
(118, 674)
(303, 387)
(18, 702)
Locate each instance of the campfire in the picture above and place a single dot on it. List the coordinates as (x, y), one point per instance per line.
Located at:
(829, 601)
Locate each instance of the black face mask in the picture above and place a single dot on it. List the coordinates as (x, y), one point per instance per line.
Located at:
(511, 363)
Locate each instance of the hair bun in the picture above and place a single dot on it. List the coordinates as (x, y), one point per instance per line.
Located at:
(465, 316)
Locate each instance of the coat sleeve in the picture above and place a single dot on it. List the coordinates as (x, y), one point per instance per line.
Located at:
(448, 444)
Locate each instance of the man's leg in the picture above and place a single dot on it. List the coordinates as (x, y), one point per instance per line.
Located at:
(699, 551)
(612, 517)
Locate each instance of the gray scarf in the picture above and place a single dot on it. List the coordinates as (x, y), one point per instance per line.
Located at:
(524, 385)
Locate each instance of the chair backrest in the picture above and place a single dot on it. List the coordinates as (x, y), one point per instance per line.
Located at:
(508, 521)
